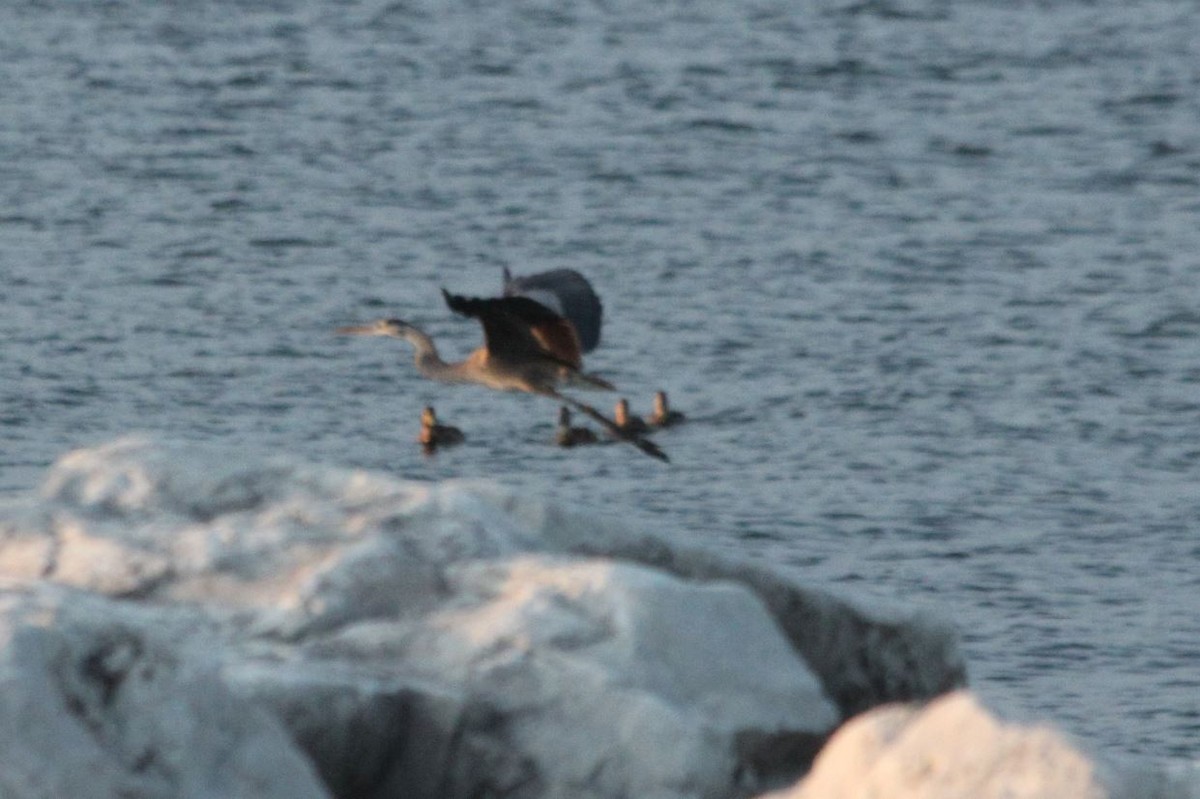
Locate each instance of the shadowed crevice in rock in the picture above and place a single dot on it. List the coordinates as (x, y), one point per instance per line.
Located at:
(366, 737)
(99, 698)
(767, 759)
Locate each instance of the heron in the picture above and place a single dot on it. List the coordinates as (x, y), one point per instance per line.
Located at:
(567, 436)
(627, 422)
(534, 337)
(434, 435)
(663, 415)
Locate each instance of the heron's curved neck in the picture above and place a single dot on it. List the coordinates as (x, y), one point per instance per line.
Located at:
(429, 362)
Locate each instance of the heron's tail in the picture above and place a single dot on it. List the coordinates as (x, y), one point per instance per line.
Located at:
(645, 445)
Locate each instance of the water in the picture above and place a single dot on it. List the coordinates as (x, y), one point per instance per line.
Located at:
(923, 274)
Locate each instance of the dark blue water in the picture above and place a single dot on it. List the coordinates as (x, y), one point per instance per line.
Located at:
(925, 276)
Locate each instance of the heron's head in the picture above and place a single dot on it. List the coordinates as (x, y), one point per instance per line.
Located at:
(396, 328)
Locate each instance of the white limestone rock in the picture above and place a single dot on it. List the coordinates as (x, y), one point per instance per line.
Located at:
(457, 639)
(953, 748)
(865, 655)
(97, 701)
(312, 547)
(604, 679)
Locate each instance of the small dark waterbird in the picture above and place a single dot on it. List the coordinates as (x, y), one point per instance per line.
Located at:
(663, 415)
(530, 345)
(434, 435)
(625, 420)
(567, 436)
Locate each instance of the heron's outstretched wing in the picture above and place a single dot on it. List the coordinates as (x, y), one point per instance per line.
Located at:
(518, 327)
(567, 293)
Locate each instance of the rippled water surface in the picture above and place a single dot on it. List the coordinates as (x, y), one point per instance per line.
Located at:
(924, 275)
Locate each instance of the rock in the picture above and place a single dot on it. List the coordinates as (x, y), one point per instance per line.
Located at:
(97, 700)
(366, 735)
(458, 639)
(604, 679)
(864, 655)
(952, 748)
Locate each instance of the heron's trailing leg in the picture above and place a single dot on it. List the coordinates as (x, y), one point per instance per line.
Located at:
(646, 446)
(584, 380)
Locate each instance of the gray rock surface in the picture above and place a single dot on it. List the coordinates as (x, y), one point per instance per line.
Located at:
(953, 748)
(99, 699)
(451, 640)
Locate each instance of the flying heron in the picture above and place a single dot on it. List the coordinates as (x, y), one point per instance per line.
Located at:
(534, 338)
(567, 436)
(434, 435)
(663, 415)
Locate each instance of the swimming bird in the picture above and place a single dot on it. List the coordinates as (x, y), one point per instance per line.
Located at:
(567, 436)
(663, 415)
(434, 435)
(628, 423)
(527, 345)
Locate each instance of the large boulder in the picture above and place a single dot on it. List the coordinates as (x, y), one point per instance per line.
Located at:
(594, 678)
(459, 639)
(953, 747)
(101, 699)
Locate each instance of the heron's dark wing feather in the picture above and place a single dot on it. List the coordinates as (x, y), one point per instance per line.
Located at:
(518, 327)
(566, 292)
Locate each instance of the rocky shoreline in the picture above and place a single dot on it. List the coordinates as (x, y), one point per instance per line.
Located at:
(181, 623)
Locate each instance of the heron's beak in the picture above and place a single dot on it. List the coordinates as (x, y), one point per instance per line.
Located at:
(357, 330)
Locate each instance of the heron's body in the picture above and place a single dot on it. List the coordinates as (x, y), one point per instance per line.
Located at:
(528, 346)
(663, 415)
(567, 436)
(434, 435)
